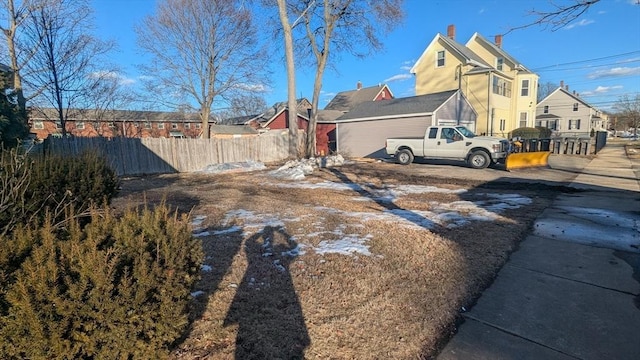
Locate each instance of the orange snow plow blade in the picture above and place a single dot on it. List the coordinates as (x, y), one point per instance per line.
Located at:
(527, 159)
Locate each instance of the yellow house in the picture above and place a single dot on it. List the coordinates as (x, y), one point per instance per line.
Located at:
(501, 90)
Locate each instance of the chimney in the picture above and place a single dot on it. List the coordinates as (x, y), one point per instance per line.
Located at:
(561, 83)
(498, 41)
(566, 87)
(358, 85)
(451, 32)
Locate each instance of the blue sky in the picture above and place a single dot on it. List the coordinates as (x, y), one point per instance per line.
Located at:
(598, 55)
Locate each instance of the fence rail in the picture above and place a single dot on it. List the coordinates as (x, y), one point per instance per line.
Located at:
(135, 156)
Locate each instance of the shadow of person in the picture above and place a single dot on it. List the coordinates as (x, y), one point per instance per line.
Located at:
(266, 307)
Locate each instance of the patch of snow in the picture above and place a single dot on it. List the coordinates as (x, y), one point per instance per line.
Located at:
(298, 169)
(348, 245)
(197, 293)
(206, 268)
(233, 167)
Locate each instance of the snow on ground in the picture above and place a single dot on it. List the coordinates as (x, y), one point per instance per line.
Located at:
(451, 215)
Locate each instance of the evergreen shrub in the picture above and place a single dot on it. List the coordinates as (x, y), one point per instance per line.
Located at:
(531, 133)
(117, 288)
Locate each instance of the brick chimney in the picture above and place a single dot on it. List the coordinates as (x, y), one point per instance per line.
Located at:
(451, 32)
(358, 85)
(498, 41)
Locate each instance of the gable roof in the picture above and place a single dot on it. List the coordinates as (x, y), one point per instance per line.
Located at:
(570, 95)
(232, 129)
(466, 55)
(346, 100)
(517, 64)
(398, 107)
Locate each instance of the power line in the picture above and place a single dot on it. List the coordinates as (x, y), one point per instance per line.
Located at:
(588, 60)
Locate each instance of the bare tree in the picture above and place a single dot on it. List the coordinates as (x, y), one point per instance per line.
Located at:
(14, 16)
(629, 108)
(245, 105)
(351, 26)
(545, 90)
(203, 51)
(64, 64)
(559, 16)
(287, 28)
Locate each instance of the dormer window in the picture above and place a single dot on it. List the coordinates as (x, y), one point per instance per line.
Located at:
(440, 59)
(499, 63)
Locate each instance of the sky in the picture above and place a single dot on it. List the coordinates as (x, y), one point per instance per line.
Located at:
(598, 55)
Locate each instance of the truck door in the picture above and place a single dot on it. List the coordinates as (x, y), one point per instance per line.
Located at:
(431, 141)
(451, 144)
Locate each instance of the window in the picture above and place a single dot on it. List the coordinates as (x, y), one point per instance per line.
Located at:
(525, 88)
(112, 124)
(503, 124)
(440, 59)
(549, 124)
(96, 125)
(432, 133)
(147, 125)
(575, 107)
(80, 125)
(546, 109)
(38, 125)
(574, 124)
(174, 126)
(58, 125)
(198, 126)
(136, 124)
(501, 86)
(160, 125)
(499, 63)
(523, 119)
(187, 126)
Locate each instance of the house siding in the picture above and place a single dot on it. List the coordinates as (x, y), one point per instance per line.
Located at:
(367, 138)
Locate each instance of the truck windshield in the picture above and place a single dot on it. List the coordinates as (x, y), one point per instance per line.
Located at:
(466, 132)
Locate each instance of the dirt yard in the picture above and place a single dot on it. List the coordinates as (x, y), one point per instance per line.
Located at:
(354, 262)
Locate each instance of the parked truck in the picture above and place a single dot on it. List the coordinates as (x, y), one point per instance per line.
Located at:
(452, 143)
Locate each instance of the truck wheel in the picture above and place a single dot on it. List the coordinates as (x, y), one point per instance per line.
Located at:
(479, 160)
(404, 157)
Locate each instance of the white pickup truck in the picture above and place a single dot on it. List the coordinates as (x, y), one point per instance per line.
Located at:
(450, 142)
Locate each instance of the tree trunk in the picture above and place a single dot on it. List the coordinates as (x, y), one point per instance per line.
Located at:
(291, 79)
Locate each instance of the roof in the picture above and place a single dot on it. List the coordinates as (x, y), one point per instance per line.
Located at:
(422, 104)
(547, 116)
(566, 92)
(517, 64)
(329, 115)
(466, 55)
(117, 115)
(232, 129)
(346, 100)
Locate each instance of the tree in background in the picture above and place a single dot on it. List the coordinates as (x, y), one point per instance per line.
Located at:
(332, 27)
(203, 51)
(628, 108)
(559, 16)
(14, 17)
(13, 125)
(545, 90)
(64, 67)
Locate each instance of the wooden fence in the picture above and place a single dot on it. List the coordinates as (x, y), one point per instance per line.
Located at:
(139, 156)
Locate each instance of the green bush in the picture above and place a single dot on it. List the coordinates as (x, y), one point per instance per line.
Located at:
(531, 133)
(116, 289)
(32, 185)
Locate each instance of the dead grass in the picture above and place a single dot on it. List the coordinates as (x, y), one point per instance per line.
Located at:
(401, 302)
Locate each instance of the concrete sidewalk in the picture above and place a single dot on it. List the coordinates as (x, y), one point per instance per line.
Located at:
(572, 289)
